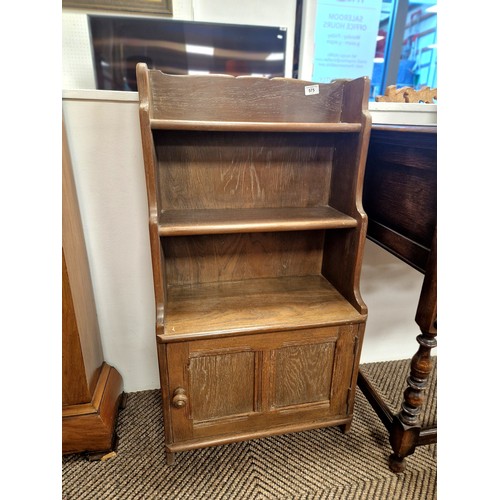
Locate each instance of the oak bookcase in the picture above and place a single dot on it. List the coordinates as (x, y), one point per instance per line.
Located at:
(257, 233)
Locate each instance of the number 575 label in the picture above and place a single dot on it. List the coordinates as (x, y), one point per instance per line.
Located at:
(311, 89)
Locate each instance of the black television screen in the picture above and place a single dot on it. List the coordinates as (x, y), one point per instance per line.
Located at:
(181, 48)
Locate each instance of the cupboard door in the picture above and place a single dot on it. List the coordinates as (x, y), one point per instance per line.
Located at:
(252, 384)
(218, 384)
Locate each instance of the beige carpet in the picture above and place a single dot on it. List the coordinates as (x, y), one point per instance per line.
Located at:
(317, 464)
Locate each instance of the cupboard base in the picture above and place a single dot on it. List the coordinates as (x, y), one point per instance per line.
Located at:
(172, 449)
(243, 387)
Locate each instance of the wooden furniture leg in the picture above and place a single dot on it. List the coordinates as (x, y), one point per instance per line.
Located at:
(406, 427)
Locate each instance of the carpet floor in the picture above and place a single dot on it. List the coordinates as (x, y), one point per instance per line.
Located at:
(317, 464)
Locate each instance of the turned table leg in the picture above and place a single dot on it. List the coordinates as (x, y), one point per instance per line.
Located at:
(405, 430)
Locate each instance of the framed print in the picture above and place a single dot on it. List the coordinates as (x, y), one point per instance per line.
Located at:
(143, 6)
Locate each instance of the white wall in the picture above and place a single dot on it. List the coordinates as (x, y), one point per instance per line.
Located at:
(104, 141)
(391, 290)
(106, 154)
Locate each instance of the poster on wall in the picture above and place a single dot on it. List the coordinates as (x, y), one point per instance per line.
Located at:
(345, 38)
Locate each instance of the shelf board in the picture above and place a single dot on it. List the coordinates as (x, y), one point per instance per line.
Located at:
(251, 306)
(237, 126)
(248, 220)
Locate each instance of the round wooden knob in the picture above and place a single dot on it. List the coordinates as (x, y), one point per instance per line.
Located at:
(180, 399)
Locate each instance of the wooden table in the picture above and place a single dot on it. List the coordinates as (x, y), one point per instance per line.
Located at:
(400, 193)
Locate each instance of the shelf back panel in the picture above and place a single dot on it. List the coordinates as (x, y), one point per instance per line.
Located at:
(233, 257)
(205, 170)
(252, 99)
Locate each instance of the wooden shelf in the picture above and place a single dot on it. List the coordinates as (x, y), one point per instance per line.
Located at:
(258, 305)
(160, 124)
(218, 221)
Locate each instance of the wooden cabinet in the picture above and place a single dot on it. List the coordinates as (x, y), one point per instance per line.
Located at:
(257, 233)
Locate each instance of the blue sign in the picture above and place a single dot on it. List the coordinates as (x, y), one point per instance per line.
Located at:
(345, 38)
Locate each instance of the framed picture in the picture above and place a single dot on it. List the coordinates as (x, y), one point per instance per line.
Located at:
(143, 6)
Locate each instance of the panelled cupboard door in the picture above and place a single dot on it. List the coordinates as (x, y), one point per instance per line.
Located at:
(254, 383)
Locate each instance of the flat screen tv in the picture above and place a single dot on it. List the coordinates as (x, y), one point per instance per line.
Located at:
(181, 48)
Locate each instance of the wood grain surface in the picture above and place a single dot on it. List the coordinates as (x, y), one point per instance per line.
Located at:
(254, 306)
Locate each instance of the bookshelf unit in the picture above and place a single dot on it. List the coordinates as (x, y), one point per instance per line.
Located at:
(257, 234)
